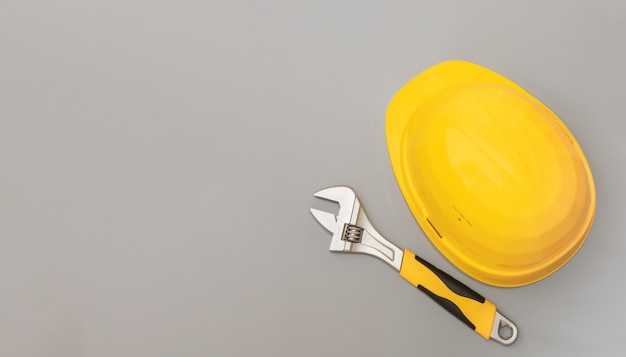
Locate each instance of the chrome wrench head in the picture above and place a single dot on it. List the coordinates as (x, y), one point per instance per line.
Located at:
(352, 230)
(348, 201)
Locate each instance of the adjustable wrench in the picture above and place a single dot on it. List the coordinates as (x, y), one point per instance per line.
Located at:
(353, 233)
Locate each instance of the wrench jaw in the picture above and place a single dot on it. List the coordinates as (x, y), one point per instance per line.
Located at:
(352, 230)
(348, 204)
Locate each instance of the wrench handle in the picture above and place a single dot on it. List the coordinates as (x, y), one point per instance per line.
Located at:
(461, 301)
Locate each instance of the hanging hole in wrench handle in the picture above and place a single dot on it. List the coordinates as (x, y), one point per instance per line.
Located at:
(503, 331)
(464, 303)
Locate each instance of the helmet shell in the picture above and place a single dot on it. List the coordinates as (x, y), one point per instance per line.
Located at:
(494, 178)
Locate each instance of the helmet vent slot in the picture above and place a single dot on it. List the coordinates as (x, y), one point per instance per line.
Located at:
(433, 227)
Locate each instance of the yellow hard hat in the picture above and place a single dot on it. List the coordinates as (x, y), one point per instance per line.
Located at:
(494, 178)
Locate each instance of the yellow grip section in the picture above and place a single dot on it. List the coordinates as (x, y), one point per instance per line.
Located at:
(467, 305)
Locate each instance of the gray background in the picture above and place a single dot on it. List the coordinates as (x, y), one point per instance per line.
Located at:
(158, 160)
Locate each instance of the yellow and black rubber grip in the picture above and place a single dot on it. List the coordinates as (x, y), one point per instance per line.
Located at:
(461, 301)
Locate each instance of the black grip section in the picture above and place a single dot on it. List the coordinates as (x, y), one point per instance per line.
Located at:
(452, 284)
(448, 305)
